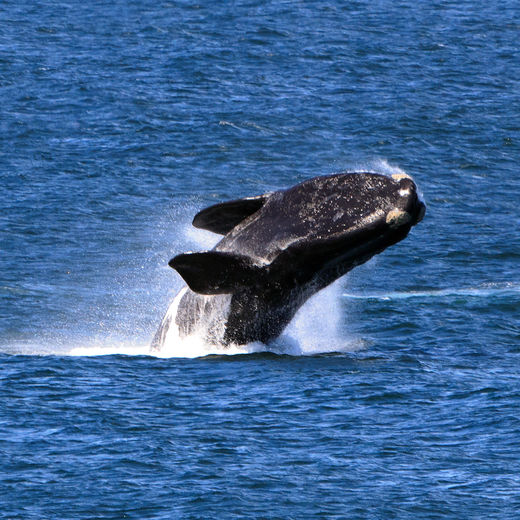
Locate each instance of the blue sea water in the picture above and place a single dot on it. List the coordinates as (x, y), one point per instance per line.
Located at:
(395, 394)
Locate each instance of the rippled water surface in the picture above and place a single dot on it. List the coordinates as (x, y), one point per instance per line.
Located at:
(394, 393)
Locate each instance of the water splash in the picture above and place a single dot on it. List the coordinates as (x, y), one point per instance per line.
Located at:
(316, 329)
(320, 325)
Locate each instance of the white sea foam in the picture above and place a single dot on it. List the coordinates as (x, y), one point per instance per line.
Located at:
(84, 348)
(110, 350)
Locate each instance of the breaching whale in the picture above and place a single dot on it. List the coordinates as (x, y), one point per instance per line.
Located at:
(282, 247)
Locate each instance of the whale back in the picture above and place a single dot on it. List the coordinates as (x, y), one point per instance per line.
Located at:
(317, 211)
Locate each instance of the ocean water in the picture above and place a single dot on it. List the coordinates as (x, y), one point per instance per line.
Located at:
(394, 394)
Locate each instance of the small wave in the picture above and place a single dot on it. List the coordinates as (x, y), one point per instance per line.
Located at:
(189, 347)
(110, 350)
(483, 291)
(40, 349)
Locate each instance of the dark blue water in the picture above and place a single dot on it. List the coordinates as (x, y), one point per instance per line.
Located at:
(395, 394)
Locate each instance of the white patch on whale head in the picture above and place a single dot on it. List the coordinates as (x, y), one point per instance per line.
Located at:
(397, 218)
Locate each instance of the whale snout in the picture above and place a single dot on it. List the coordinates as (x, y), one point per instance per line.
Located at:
(410, 209)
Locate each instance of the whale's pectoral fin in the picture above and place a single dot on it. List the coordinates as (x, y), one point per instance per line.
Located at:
(213, 272)
(222, 218)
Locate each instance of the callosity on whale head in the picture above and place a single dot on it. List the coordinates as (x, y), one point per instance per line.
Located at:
(280, 248)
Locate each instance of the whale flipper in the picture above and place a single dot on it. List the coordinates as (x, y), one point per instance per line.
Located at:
(222, 218)
(214, 272)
